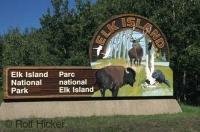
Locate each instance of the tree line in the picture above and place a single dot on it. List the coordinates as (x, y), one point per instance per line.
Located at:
(65, 34)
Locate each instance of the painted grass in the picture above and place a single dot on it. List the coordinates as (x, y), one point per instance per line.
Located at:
(105, 62)
(187, 121)
(137, 90)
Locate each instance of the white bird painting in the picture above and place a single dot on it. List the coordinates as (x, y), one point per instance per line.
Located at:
(98, 49)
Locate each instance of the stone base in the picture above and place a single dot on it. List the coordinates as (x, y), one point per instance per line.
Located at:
(16, 110)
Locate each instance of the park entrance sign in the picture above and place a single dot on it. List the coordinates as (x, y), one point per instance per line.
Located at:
(129, 57)
(133, 41)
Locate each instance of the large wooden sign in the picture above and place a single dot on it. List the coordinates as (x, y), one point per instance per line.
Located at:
(129, 57)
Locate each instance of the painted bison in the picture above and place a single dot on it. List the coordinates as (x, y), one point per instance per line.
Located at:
(135, 53)
(114, 77)
(160, 77)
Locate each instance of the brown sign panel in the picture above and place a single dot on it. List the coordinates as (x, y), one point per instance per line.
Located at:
(48, 82)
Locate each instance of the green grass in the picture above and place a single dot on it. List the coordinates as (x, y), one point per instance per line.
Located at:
(187, 121)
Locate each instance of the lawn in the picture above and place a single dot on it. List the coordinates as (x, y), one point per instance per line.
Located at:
(187, 121)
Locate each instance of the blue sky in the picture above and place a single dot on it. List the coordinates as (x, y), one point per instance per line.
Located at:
(23, 13)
